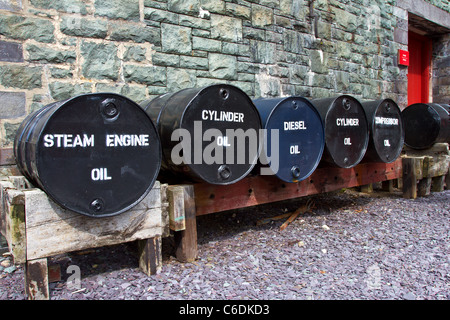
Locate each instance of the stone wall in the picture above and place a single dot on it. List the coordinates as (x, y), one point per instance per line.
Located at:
(53, 50)
(441, 70)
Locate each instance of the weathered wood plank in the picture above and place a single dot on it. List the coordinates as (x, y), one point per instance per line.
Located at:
(410, 177)
(36, 279)
(150, 260)
(256, 190)
(165, 209)
(13, 220)
(424, 187)
(52, 230)
(437, 184)
(152, 200)
(176, 197)
(186, 240)
(388, 185)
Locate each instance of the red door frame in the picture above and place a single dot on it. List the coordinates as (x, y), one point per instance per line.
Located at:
(420, 50)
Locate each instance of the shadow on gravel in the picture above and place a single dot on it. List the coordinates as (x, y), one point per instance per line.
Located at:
(226, 224)
(97, 261)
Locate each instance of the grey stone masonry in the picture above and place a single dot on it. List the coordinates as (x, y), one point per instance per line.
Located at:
(53, 50)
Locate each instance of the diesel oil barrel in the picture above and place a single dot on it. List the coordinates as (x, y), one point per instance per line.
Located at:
(295, 137)
(386, 130)
(346, 130)
(95, 154)
(208, 134)
(426, 124)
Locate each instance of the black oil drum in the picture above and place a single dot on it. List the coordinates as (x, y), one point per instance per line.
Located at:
(346, 130)
(386, 130)
(208, 134)
(95, 154)
(426, 124)
(294, 150)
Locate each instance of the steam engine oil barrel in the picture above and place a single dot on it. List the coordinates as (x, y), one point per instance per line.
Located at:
(425, 125)
(95, 154)
(294, 150)
(386, 130)
(208, 134)
(346, 130)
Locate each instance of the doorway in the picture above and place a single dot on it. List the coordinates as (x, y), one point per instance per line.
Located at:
(419, 70)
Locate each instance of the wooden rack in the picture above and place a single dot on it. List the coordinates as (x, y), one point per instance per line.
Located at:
(37, 228)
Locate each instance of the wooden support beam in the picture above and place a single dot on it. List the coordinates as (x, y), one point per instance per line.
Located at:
(424, 187)
(388, 185)
(51, 230)
(447, 180)
(255, 190)
(36, 279)
(13, 220)
(437, 184)
(150, 260)
(176, 197)
(410, 178)
(367, 188)
(186, 240)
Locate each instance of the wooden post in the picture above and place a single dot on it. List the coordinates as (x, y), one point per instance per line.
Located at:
(36, 279)
(447, 180)
(409, 178)
(367, 188)
(13, 220)
(388, 186)
(177, 220)
(438, 184)
(424, 187)
(150, 261)
(185, 240)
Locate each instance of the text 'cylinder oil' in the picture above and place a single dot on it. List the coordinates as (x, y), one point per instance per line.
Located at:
(208, 134)
(346, 130)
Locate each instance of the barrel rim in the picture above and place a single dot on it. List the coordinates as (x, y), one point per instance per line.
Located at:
(158, 165)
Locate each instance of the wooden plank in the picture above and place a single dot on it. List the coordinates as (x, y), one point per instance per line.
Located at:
(410, 177)
(36, 279)
(367, 188)
(150, 260)
(165, 209)
(176, 196)
(424, 187)
(255, 190)
(388, 185)
(437, 148)
(13, 220)
(437, 184)
(447, 180)
(52, 230)
(186, 240)
(436, 159)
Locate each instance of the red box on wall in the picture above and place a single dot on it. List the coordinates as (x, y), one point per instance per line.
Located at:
(403, 58)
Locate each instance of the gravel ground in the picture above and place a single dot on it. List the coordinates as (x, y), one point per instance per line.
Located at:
(351, 246)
